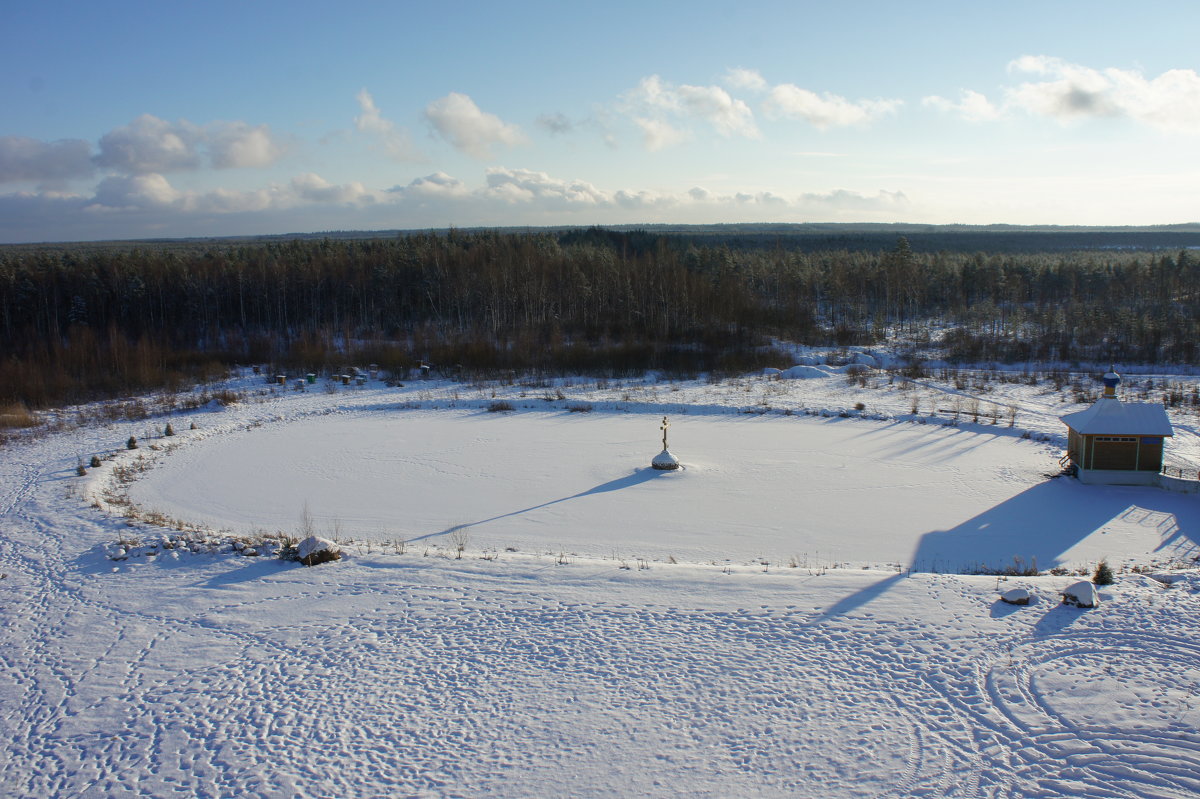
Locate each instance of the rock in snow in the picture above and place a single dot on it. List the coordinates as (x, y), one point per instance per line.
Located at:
(314, 550)
(1016, 596)
(1082, 595)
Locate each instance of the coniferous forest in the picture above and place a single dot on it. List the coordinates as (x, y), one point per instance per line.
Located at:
(80, 322)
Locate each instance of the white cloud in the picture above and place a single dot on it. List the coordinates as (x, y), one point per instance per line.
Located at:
(237, 144)
(657, 134)
(770, 203)
(147, 204)
(1170, 101)
(973, 106)
(459, 121)
(371, 119)
(524, 185)
(1070, 92)
(149, 144)
(643, 200)
(730, 117)
(438, 186)
(316, 189)
(153, 191)
(22, 158)
(747, 79)
(136, 191)
(152, 145)
(657, 108)
(827, 110)
(661, 109)
(228, 202)
(842, 200)
(510, 194)
(395, 141)
(652, 92)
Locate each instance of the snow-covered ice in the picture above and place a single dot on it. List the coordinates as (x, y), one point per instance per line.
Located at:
(613, 671)
(864, 493)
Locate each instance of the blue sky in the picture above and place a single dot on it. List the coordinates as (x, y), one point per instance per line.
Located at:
(128, 120)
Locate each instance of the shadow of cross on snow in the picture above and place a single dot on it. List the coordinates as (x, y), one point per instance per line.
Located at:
(1043, 523)
(636, 477)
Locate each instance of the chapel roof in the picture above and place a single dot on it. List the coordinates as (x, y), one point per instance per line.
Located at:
(1111, 417)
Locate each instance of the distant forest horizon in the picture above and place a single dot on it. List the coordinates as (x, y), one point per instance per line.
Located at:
(807, 236)
(101, 319)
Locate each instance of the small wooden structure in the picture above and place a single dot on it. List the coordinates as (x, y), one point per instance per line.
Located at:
(1117, 443)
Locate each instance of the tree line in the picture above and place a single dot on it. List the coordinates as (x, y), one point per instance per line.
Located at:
(78, 323)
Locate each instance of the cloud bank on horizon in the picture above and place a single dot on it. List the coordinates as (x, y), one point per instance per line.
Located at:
(742, 147)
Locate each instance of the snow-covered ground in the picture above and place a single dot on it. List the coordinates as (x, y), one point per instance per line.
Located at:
(608, 630)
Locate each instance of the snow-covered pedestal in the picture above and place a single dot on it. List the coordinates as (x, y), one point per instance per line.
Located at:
(665, 461)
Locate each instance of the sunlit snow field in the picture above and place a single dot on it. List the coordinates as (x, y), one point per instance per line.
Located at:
(749, 626)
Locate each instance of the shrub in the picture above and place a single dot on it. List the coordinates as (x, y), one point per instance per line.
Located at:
(95, 461)
(459, 539)
(168, 430)
(131, 443)
(16, 415)
(499, 406)
(1104, 574)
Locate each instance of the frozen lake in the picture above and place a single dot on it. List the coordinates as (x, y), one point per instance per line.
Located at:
(778, 488)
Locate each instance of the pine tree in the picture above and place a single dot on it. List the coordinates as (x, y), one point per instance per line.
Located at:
(1104, 574)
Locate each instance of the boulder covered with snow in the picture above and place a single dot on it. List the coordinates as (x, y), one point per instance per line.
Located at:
(1081, 595)
(665, 461)
(1016, 596)
(848, 369)
(865, 359)
(804, 372)
(771, 371)
(314, 550)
